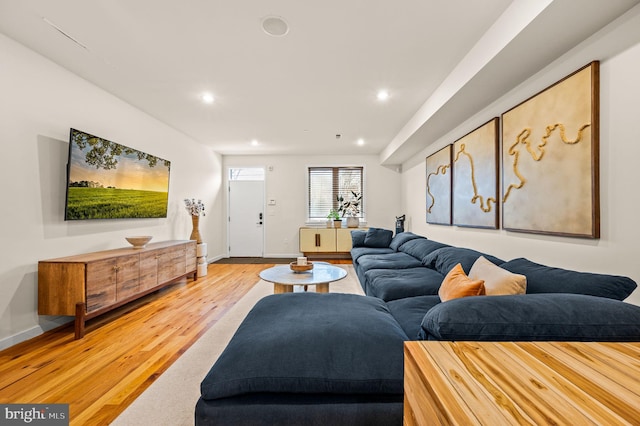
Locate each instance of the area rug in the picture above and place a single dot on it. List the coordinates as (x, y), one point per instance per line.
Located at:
(171, 399)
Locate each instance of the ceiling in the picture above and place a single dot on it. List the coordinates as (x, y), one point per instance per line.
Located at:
(295, 93)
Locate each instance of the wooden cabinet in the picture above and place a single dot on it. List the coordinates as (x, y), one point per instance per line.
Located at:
(88, 285)
(317, 240)
(326, 240)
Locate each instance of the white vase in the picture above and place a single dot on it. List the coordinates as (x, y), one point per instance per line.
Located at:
(353, 222)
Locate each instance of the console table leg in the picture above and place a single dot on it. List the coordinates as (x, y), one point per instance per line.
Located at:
(79, 321)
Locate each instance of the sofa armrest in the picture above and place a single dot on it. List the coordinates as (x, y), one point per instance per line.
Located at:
(547, 317)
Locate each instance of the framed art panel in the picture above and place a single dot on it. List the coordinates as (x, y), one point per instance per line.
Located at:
(475, 177)
(550, 159)
(439, 187)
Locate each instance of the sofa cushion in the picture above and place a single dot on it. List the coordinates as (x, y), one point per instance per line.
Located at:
(311, 343)
(559, 317)
(410, 311)
(497, 281)
(394, 260)
(444, 259)
(378, 237)
(547, 279)
(391, 284)
(357, 238)
(421, 247)
(456, 284)
(356, 252)
(402, 238)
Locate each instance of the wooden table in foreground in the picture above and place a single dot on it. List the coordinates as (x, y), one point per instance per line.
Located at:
(521, 383)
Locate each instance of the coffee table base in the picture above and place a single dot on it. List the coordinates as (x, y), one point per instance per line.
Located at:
(286, 288)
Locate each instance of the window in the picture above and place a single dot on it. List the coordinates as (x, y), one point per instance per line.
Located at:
(326, 184)
(246, 173)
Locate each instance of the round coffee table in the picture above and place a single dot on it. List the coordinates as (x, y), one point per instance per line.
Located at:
(284, 279)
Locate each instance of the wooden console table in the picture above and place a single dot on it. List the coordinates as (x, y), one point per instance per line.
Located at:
(316, 241)
(91, 284)
(521, 383)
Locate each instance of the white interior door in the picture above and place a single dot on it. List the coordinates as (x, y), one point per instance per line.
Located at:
(246, 218)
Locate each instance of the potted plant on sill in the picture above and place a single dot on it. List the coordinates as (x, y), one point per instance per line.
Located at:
(351, 209)
(335, 217)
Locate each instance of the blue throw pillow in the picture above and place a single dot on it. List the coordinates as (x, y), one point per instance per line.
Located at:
(550, 317)
(409, 311)
(357, 238)
(547, 279)
(420, 247)
(378, 237)
(444, 259)
(402, 238)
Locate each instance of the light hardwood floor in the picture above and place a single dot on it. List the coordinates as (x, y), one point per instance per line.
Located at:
(123, 351)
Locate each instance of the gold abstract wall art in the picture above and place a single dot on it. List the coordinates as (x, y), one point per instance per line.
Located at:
(439, 187)
(550, 182)
(475, 177)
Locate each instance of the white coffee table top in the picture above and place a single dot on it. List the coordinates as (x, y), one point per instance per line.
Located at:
(321, 273)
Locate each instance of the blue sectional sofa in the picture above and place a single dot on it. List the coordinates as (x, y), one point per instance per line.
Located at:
(318, 359)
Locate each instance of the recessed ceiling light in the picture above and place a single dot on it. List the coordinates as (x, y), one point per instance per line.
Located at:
(207, 98)
(360, 142)
(254, 143)
(275, 26)
(383, 95)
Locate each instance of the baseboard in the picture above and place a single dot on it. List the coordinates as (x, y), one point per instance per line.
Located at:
(32, 332)
(282, 256)
(45, 325)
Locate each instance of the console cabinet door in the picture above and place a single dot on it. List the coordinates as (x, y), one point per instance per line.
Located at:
(343, 240)
(172, 263)
(149, 270)
(127, 276)
(101, 284)
(317, 240)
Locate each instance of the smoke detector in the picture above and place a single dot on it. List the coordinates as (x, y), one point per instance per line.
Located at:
(275, 26)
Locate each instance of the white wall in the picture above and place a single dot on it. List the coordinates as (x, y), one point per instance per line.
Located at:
(39, 102)
(286, 184)
(616, 252)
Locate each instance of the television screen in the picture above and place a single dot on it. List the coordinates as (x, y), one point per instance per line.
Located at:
(106, 180)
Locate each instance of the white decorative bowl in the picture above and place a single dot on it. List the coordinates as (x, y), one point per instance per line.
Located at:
(139, 242)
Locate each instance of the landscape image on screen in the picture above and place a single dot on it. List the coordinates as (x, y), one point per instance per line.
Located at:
(107, 180)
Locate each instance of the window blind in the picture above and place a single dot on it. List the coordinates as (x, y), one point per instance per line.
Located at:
(327, 183)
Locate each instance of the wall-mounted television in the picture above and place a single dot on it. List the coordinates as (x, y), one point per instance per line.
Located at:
(106, 180)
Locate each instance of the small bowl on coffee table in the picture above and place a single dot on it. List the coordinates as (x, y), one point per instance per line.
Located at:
(301, 268)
